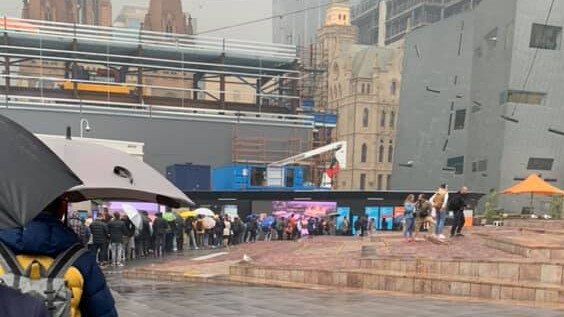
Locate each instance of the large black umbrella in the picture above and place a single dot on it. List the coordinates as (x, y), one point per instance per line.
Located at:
(31, 175)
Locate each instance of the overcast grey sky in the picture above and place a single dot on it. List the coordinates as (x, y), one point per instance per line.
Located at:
(211, 14)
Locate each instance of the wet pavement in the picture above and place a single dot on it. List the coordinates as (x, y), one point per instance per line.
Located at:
(160, 299)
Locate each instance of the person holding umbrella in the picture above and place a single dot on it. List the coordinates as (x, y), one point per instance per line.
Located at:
(31, 208)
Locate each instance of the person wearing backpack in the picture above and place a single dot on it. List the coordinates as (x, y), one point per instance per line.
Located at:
(423, 217)
(409, 217)
(46, 244)
(439, 201)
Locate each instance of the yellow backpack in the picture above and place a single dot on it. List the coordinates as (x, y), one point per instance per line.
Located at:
(55, 281)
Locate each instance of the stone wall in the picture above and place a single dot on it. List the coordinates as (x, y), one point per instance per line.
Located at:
(534, 223)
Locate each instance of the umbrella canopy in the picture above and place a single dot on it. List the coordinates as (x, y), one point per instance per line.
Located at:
(204, 212)
(268, 221)
(114, 175)
(134, 216)
(187, 213)
(533, 185)
(333, 214)
(209, 223)
(31, 175)
(169, 216)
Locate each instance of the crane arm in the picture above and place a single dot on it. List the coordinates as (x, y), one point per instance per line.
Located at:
(337, 146)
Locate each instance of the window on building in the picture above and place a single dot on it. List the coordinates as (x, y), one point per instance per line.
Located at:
(389, 182)
(457, 163)
(524, 97)
(362, 181)
(482, 165)
(362, 88)
(258, 176)
(390, 153)
(363, 153)
(380, 179)
(547, 37)
(383, 119)
(381, 154)
(540, 164)
(168, 29)
(474, 166)
(392, 119)
(393, 88)
(368, 88)
(365, 118)
(459, 119)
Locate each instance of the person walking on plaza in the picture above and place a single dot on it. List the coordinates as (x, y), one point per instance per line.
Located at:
(160, 229)
(118, 231)
(100, 234)
(423, 217)
(180, 223)
(439, 201)
(457, 205)
(409, 217)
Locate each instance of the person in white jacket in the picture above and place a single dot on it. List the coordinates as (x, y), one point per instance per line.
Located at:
(439, 201)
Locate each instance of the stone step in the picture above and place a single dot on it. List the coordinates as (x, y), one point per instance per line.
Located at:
(505, 270)
(529, 249)
(412, 283)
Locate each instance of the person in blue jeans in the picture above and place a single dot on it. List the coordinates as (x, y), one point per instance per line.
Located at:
(439, 202)
(409, 217)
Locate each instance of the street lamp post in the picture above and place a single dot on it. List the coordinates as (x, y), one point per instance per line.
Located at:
(84, 126)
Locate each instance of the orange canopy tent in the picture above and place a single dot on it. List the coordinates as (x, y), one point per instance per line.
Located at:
(533, 185)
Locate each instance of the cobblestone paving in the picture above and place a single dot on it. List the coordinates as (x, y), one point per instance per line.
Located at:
(160, 299)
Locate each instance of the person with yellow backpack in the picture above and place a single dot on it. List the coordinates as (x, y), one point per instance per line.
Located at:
(46, 258)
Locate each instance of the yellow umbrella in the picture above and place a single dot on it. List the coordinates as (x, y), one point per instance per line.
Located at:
(187, 213)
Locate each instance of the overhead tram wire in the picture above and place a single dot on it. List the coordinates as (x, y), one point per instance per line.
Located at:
(534, 58)
(280, 16)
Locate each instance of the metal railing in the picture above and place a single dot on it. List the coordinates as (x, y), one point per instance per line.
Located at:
(120, 36)
(35, 103)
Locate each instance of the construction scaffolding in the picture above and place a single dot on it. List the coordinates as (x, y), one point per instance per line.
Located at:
(115, 65)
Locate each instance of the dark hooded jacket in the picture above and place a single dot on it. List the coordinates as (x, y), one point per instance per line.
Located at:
(46, 235)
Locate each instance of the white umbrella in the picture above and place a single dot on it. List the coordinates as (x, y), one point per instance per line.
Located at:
(113, 175)
(204, 212)
(134, 216)
(209, 223)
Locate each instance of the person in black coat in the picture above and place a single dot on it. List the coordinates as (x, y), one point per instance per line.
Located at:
(100, 234)
(457, 205)
(118, 231)
(160, 229)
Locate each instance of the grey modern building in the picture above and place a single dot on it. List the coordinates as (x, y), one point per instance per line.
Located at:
(481, 100)
(384, 22)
